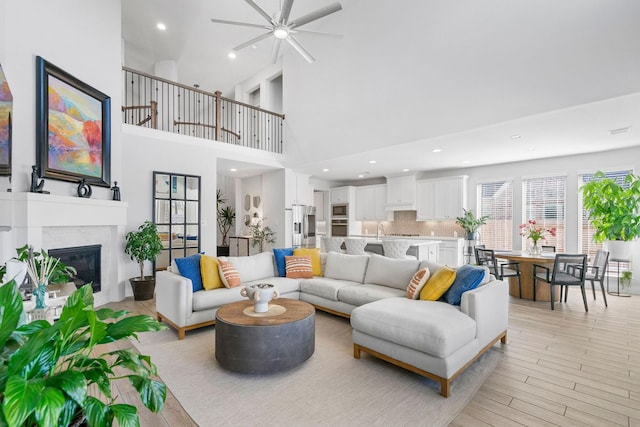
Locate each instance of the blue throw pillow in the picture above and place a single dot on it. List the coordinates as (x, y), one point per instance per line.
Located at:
(279, 254)
(467, 277)
(189, 267)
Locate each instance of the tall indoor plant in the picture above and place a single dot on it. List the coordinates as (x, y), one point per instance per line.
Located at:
(51, 374)
(226, 215)
(261, 234)
(613, 211)
(470, 223)
(143, 245)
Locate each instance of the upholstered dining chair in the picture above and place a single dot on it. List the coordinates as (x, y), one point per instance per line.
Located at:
(499, 269)
(333, 244)
(547, 248)
(596, 272)
(355, 246)
(396, 249)
(568, 270)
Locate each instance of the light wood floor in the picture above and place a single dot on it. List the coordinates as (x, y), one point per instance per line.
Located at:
(563, 367)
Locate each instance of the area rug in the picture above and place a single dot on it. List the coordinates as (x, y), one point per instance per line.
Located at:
(330, 389)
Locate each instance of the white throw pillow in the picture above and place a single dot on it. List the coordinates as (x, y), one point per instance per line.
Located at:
(254, 267)
(346, 267)
(392, 272)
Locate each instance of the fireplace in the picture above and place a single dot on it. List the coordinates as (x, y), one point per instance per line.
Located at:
(86, 260)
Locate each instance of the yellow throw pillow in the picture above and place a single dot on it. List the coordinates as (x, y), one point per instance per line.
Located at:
(298, 267)
(438, 284)
(417, 283)
(314, 253)
(229, 274)
(209, 272)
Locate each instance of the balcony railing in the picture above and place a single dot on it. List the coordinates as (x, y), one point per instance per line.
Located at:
(157, 103)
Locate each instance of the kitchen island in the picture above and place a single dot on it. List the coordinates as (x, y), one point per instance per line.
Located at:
(421, 249)
(450, 248)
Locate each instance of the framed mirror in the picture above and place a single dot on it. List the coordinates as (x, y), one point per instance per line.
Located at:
(256, 201)
(247, 202)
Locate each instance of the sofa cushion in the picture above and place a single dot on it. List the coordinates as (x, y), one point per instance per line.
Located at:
(363, 294)
(314, 254)
(210, 273)
(396, 273)
(431, 327)
(438, 284)
(279, 254)
(325, 287)
(283, 284)
(346, 267)
(298, 267)
(417, 283)
(254, 267)
(467, 277)
(189, 267)
(229, 274)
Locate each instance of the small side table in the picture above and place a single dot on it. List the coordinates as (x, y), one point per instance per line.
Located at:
(617, 292)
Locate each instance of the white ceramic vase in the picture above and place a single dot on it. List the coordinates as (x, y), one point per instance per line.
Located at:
(260, 294)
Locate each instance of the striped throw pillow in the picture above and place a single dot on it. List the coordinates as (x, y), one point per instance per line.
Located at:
(417, 283)
(298, 267)
(229, 274)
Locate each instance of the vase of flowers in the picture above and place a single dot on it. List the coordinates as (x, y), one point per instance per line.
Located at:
(531, 230)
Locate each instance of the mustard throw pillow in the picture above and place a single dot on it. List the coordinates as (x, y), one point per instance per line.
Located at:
(209, 272)
(314, 254)
(438, 284)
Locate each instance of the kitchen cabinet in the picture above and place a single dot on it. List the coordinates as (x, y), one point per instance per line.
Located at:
(370, 203)
(441, 199)
(320, 205)
(451, 252)
(342, 195)
(401, 192)
(298, 191)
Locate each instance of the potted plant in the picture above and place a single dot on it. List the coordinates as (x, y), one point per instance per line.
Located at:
(613, 212)
(226, 215)
(143, 245)
(470, 223)
(261, 235)
(625, 279)
(51, 374)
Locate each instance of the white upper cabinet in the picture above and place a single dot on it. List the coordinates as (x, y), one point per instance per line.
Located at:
(341, 195)
(299, 192)
(401, 192)
(318, 202)
(441, 199)
(370, 203)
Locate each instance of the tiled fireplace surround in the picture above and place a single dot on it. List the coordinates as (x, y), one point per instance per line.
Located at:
(48, 221)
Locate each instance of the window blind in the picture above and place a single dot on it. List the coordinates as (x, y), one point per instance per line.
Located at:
(544, 200)
(496, 200)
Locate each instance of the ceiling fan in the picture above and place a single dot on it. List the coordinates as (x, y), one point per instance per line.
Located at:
(281, 28)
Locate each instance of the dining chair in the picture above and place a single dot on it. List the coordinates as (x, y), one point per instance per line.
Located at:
(596, 272)
(355, 246)
(333, 244)
(500, 269)
(547, 248)
(568, 270)
(475, 250)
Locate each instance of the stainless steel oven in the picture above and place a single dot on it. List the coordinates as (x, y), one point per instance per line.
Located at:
(339, 227)
(340, 211)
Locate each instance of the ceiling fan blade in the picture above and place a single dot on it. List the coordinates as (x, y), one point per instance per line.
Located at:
(318, 33)
(327, 10)
(242, 24)
(301, 50)
(261, 11)
(252, 41)
(285, 11)
(275, 50)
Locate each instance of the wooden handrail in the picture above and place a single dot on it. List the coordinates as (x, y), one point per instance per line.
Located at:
(176, 123)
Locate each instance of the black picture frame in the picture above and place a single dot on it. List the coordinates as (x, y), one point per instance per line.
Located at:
(73, 128)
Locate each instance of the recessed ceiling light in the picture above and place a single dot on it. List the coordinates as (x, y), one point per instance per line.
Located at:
(405, 170)
(437, 150)
(231, 55)
(372, 162)
(516, 136)
(361, 176)
(325, 170)
(233, 170)
(161, 26)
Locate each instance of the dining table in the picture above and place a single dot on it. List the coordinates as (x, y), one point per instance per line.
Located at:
(527, 261)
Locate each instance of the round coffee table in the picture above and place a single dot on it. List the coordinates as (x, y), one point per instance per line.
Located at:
(257, 343)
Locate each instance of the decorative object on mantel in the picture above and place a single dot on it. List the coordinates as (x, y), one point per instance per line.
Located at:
(116, 191)
(260, 295)
(84, 189)
(6, 106)
(73, 127)
(143, 245)
(49, 367)
(36, 183)
(535, 232)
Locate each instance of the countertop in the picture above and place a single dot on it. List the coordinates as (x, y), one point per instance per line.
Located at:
(387, 237)
(423, 242)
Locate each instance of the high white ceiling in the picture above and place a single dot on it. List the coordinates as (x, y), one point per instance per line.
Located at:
(411, 76)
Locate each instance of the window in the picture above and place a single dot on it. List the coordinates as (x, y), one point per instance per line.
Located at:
(586, 231)
(543, 200)
(496, 200)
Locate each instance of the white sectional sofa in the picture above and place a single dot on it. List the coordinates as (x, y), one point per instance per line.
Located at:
(432, 338)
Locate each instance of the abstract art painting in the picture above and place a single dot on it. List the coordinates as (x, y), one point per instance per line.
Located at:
(73, 128)
(6, 105)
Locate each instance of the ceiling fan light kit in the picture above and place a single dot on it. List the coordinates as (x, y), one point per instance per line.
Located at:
(281, 28)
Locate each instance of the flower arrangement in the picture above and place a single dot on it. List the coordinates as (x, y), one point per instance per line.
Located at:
(535, 232)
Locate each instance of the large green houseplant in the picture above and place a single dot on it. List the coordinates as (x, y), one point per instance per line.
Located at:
(226, 215)
(613, 209)
(50, 374)
(261, 234)
(143, 245)
(470, 223)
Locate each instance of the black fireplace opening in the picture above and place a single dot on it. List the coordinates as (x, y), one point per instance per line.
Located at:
(86, 260)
